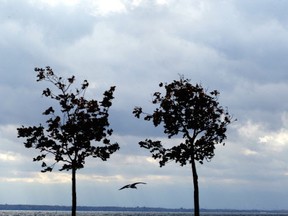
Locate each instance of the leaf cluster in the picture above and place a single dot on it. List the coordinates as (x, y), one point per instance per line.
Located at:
(70, 135)
(187, 110)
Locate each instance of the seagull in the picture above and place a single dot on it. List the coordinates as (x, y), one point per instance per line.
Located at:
(132, 185)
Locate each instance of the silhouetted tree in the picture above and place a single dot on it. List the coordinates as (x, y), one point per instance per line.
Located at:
(194, 114)
(76, 129)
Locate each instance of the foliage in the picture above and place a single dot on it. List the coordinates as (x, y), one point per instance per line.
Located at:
(70, 137)
(190, 111)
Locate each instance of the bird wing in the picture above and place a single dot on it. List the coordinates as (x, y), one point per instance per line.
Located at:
(126, 186)
(138, 183)
(131, 185)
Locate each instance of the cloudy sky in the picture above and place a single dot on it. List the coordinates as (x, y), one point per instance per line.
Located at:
(238, 47)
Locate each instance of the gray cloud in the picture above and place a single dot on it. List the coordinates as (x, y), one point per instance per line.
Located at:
(237, 47)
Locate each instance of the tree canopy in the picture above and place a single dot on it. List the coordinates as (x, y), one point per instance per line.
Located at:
(76, 129)
(192, 113)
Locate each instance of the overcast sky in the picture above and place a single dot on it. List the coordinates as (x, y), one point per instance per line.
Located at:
(239, 47)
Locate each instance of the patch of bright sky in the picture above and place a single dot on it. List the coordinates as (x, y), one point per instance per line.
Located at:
(278, 140)
(104, 7)
(249, 152)
(43, 178)
(162, 2)
(7, 156)
(98, 7)
(250, 129)
(136, 2)
(54, 3)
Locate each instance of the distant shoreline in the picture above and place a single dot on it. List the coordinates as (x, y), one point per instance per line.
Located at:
(19, 207)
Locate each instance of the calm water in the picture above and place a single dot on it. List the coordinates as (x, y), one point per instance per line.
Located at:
(55, 213)
(67, 213)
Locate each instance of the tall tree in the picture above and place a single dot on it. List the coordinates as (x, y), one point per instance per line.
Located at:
(76, 129)
(193, 113)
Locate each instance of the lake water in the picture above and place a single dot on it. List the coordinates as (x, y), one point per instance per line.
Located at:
(66, 213)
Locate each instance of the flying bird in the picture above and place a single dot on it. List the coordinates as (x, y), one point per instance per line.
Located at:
(132, 185)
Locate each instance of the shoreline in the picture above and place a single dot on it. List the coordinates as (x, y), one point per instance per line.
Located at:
(23, 207)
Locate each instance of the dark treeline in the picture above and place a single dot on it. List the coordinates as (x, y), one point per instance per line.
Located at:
(88, 208)
(18, 207)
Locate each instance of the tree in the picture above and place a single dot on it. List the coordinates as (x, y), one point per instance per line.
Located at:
(194, 114)
(76, 129)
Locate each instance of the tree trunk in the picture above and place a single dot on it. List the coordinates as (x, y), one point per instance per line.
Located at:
(196, 189)
(74, 198)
